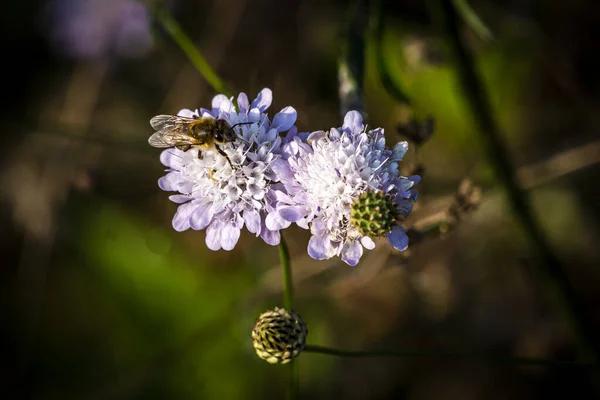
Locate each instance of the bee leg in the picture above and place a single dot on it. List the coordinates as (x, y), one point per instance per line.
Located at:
(221, 152)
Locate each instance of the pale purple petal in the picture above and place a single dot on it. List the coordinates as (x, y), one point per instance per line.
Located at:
(243, 103)
(320, 248)
(318, 228)
(270, 237)
(254, 115)
(282, 170)
(204, 113)
(181, 219)
(252, 219)
(284, 119)
(352, 252)
(317, 248)
(201, 217)
(400, 150)
(303, 223)
(414, 178)
(213, 236)
(187, 113)
(221, 102)
(353, 122)
(398, 238)
(263, 100)
(292, 213)
(404, 207)
(290, 149)
(275, 222)
(173, 158)
(180, 198)
(230, 234)
(315, 136)
(367, 242)
(170, 182)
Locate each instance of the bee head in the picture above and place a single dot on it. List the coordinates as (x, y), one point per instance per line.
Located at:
(223, 132)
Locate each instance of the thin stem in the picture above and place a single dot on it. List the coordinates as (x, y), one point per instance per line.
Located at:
(288, 287)
(473, 20)
(288, 302)
(482, 358)
(190, 50)
(351, 61)
(497, 152)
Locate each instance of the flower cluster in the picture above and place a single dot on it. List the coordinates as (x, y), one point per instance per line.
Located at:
(343, 185)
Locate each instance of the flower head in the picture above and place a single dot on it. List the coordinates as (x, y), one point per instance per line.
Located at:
(328, 181)
(222, 197)
(279, 336)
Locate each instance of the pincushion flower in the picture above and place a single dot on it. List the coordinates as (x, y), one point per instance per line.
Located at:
(337, 179)
(221, 199)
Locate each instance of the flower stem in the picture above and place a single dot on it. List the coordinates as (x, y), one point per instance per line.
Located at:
(482, 358)
(445, 13)
(193, 54)
(472, 19)
(288, 287)
(288, 302)
(351, 60)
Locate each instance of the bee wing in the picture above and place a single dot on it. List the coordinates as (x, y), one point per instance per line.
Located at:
(170, 122)
(171, 130)
(163, 139)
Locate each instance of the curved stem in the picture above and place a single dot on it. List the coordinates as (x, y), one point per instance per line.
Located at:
(190, 50)
(288, 302)
(475, 94)
(483, 358)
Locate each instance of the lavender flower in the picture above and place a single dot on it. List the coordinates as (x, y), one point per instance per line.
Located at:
(97, 28)
(324, 179)
(221, 199)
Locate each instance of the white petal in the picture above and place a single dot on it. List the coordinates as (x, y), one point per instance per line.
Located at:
(367, 242)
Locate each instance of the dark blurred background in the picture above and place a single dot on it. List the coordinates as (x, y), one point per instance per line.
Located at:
(101, 299)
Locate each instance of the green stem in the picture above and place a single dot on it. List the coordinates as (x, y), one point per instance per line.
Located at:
(288, 302)
(288, 287)
(483, 358)
(351, 60)
(389, 83)
(473, 20)
(190, 50)
(446, 14)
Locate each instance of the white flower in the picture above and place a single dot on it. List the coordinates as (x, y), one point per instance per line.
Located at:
(327, 174)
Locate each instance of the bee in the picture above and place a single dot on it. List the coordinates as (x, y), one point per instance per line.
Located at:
(184, 133)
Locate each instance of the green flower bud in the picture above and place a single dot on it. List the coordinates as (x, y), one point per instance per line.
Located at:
(279, 336)
(373, 213)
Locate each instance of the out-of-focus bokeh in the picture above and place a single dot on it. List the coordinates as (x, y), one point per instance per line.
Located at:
(101, 299)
